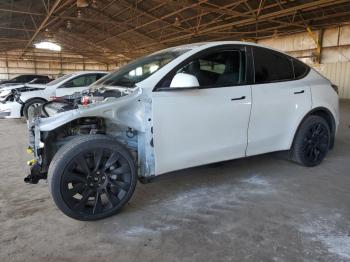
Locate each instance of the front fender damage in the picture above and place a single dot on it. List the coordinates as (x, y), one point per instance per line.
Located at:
(126, 110)
(127, 118)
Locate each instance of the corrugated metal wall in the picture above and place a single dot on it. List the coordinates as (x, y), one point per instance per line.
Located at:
(339, 74)
(46, 63)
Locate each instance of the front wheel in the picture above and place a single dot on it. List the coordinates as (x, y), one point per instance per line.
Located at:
(312, 141)
(92, 177)
(31, 105)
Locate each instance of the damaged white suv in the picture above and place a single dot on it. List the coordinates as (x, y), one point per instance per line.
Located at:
(16, 102)
(181, 107)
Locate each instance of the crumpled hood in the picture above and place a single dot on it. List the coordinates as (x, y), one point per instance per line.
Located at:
(4, 85)
(10, 86)
(23, 87)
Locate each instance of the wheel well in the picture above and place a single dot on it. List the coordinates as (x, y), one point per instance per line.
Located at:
(31, 99)
(326, 115)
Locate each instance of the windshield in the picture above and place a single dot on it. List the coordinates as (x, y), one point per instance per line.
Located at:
(58, 80)
(139, 70)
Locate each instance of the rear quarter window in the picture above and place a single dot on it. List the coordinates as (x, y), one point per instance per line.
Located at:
(300, 69)
(271, 66)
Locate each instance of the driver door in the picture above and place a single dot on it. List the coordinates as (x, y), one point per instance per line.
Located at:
(204, 124)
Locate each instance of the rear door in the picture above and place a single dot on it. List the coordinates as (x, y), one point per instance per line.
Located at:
(204, 124)
(77, 84)
(280, 99)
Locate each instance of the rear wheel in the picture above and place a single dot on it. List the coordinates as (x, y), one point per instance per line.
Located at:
(32, 104)
(92, 177)
(312, 141)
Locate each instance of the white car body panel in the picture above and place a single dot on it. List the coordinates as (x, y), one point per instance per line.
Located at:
(10, 110)
(277, 111)
(46, 92)
(200, 126)
(323, 96)
(69, 91)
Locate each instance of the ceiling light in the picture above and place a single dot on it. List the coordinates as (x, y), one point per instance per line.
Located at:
(69, 25)
(82, 3)
(94, 4)
(177, 22)
(48, 45)
(79, 15)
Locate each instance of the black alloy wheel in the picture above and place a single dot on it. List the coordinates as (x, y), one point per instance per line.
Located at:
(316, 143)
(92, 178)
(312, 141)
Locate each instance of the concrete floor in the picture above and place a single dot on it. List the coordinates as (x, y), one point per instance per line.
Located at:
(258, 209)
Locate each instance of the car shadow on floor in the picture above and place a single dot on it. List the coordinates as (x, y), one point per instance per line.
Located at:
(171, 185)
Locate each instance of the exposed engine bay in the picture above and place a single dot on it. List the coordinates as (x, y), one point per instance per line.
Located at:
(55, 139)
(70, 102)
(44, 144)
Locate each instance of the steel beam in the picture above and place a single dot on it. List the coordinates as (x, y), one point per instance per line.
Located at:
(41, 26)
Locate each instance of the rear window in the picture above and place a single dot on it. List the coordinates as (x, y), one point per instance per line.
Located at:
(271, 66)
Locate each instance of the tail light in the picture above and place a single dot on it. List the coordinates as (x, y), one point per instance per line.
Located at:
(335, 88)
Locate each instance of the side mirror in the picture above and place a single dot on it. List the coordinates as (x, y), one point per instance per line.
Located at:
(182, 80)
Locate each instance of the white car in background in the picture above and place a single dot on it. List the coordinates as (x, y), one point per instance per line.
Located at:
(18, 84)
(16, 103)
(178, 108)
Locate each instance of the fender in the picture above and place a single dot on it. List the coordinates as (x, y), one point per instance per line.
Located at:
(126, 111)
(327, 115)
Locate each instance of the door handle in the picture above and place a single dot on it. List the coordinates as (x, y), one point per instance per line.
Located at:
(299, 92)
(238, 98)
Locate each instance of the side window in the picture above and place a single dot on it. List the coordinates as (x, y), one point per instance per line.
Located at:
(271, 66)
(300, 69)
(219, 69)
(90, 79)
(98, 76)
(76, 82)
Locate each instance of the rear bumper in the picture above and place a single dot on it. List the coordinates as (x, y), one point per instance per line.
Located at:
(10, 110)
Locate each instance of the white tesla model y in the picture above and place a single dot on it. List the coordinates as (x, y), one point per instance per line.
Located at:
(180, 107)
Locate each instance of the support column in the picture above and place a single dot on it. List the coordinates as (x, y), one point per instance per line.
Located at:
(318, 41)
(7, 66)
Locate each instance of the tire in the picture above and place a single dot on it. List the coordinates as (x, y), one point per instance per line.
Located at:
(33, 102)
(92, 166)
(312, 141)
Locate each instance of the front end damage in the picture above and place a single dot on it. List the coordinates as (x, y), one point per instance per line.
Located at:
(11, 104)
(126, 118)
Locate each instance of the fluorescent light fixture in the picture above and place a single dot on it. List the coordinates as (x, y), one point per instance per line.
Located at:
(48, 46)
